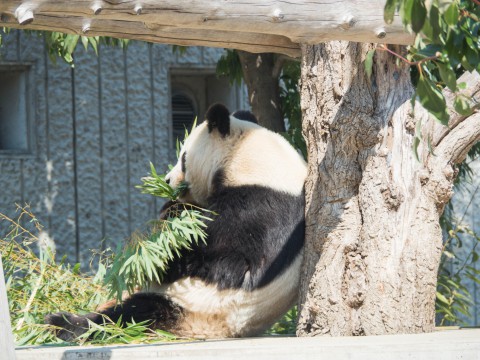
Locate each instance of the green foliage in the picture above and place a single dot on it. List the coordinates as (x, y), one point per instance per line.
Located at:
(60, 45)
(179, 143)
(115, 333)
(290, 102)
(156, 185)
(457, 265)
(181, 50)
(144, 260)
(287, 325)
(453, 297)
(446, 45)
(229, 65)
(39, 285)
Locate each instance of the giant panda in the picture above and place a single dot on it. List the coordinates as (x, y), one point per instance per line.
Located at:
(247, 275)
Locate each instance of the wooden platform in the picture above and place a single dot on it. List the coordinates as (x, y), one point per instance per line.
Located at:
(450, 344)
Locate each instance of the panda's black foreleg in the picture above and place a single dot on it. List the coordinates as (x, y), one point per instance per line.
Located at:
(158, 311)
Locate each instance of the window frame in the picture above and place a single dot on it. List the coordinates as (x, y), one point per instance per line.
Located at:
(28, 70)
(189, 95)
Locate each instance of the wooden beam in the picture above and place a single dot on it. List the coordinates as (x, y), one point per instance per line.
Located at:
(440, 345)
(255, 26)
(164, 34)
(7, 347)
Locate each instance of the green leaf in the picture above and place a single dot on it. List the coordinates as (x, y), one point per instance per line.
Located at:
(419, 12)
(85, 42)
(451, 14)
(94, 42)
(406, 11)
(389, 11)
(442, 298)
(416, 142)
(448, 76)
(434, 20)
(369, 62)
(461, 106)
(432, 99)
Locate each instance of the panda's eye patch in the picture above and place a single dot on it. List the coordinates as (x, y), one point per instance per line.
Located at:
(184, 159)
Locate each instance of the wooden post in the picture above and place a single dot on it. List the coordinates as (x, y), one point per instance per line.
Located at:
(7, 347)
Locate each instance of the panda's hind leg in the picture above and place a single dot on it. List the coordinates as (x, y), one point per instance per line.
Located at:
(159, 312)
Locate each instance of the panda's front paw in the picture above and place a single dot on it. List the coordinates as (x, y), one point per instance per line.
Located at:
(68, 327)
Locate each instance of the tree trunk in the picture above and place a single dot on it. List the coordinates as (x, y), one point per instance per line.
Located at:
(261, 74)
(373, 240)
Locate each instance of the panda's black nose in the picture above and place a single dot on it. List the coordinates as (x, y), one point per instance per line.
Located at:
(167, 180)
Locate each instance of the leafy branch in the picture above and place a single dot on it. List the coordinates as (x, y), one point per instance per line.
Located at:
(156, 185)
(144, 259)
(447, 44)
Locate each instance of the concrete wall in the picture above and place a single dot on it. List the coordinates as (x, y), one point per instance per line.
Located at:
(95, 129)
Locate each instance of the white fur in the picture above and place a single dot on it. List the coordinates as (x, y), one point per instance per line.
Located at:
(250, 155)
(213, 313)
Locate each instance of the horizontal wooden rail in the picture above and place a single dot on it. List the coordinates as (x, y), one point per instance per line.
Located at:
(443, 345)
(255, 26)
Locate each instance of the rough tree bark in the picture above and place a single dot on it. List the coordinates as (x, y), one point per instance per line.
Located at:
(373, 238)
(261, 74)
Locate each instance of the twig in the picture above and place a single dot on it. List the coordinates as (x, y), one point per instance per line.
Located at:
(5, 217)
(383, 47)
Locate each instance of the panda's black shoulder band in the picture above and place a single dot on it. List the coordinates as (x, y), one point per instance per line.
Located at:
(245, 115)
(218, 117)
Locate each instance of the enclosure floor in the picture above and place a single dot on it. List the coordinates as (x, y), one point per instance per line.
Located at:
(449, 344)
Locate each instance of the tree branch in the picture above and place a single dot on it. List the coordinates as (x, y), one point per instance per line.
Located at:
(456, 144)
(472, 81)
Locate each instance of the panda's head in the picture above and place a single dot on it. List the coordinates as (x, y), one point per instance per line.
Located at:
(243, 152)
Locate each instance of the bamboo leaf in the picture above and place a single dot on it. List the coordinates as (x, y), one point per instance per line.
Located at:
(442, 298)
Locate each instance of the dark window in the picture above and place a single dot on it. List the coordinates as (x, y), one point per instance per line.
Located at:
(183, 115)
(14, 101)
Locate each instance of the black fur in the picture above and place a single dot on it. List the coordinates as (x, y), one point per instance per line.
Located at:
(184, 161)
(258, 231)
(159, 311)
(245, 115)
(218, 117)
(255, 237)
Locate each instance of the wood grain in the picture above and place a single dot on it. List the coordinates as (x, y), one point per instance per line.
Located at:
(260, 26)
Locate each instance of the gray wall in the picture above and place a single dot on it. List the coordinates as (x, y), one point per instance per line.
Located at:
(95, 129)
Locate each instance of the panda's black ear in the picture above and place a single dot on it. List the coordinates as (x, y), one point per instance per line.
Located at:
(218, 117)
